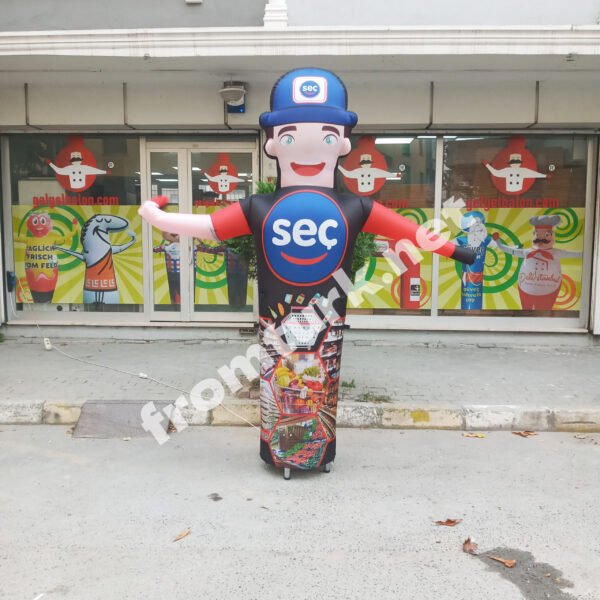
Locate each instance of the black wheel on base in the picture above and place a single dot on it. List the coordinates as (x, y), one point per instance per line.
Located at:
(327, 468)
(287, 473)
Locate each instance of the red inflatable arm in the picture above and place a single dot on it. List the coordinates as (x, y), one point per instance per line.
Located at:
(385, 222)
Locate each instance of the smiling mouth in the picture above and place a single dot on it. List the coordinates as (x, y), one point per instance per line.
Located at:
(303, 261)
(308, 170)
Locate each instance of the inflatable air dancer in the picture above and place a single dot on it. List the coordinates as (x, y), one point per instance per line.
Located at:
(304, 234)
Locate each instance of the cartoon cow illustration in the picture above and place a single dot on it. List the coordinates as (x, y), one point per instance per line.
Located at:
(100, 284)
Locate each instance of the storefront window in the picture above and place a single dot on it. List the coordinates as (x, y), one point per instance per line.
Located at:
(221, 275)
(76, 232)
(399, 172)
(524, 215)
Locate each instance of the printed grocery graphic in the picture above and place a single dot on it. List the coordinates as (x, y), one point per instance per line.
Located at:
(78, 254)
(300, 369)
(299, 443)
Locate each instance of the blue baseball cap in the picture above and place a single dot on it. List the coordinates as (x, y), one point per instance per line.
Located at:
(309, 96)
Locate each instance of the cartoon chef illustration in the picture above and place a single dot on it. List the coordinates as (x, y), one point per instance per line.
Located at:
(540, 275)
(366, 174)
(100, 283)
(515, 173)
(76, 171)
(223, 180)
(477, 239)
(304, 234)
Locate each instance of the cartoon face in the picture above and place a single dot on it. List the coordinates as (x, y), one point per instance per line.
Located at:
(39, 224)
(170, 237)
(543, 237)
(304, 250)
(307, 153)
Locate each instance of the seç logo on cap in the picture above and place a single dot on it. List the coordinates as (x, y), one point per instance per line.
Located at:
(309, 90)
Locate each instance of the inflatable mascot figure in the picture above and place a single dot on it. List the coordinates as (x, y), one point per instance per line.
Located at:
(304, 235)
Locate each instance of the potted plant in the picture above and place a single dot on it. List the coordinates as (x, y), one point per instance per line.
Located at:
(240, 257)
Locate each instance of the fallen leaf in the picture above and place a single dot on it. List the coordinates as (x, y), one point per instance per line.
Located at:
(171, 428)
(580, 437)
(469, 546)
(448, 522)
(474, 435)
(524, 434)
(183, 534)
(215, 497)
(507, 562)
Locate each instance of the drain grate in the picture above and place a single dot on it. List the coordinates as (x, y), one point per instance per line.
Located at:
(107, 419)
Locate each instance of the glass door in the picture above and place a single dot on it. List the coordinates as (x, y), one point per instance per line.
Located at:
(193, 279)
(222, 282)
(170, 252)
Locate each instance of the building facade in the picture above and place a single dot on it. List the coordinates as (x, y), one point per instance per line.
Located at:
(482, 122)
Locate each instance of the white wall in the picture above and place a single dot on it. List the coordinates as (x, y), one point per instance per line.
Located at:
(442, 12)
(95, 104)
(485, 101)
(12, 105)
(495, 104)
(567, 102)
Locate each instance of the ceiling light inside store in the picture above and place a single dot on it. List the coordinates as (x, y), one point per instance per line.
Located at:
(156, 173)
(167, 180)
(391, 140)
(196, 169)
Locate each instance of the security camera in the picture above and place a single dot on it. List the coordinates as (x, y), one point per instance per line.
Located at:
(233, 92)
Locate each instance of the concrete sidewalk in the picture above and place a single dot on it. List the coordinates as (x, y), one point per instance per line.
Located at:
(470, 386)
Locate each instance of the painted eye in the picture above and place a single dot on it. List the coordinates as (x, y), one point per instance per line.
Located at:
(286, 139)
(34, 220)
(330, 139)
(42, 220)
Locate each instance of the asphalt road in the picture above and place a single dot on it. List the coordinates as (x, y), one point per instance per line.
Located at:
(84, 519)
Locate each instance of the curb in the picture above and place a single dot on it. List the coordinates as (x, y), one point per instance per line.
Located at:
(350, 414)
